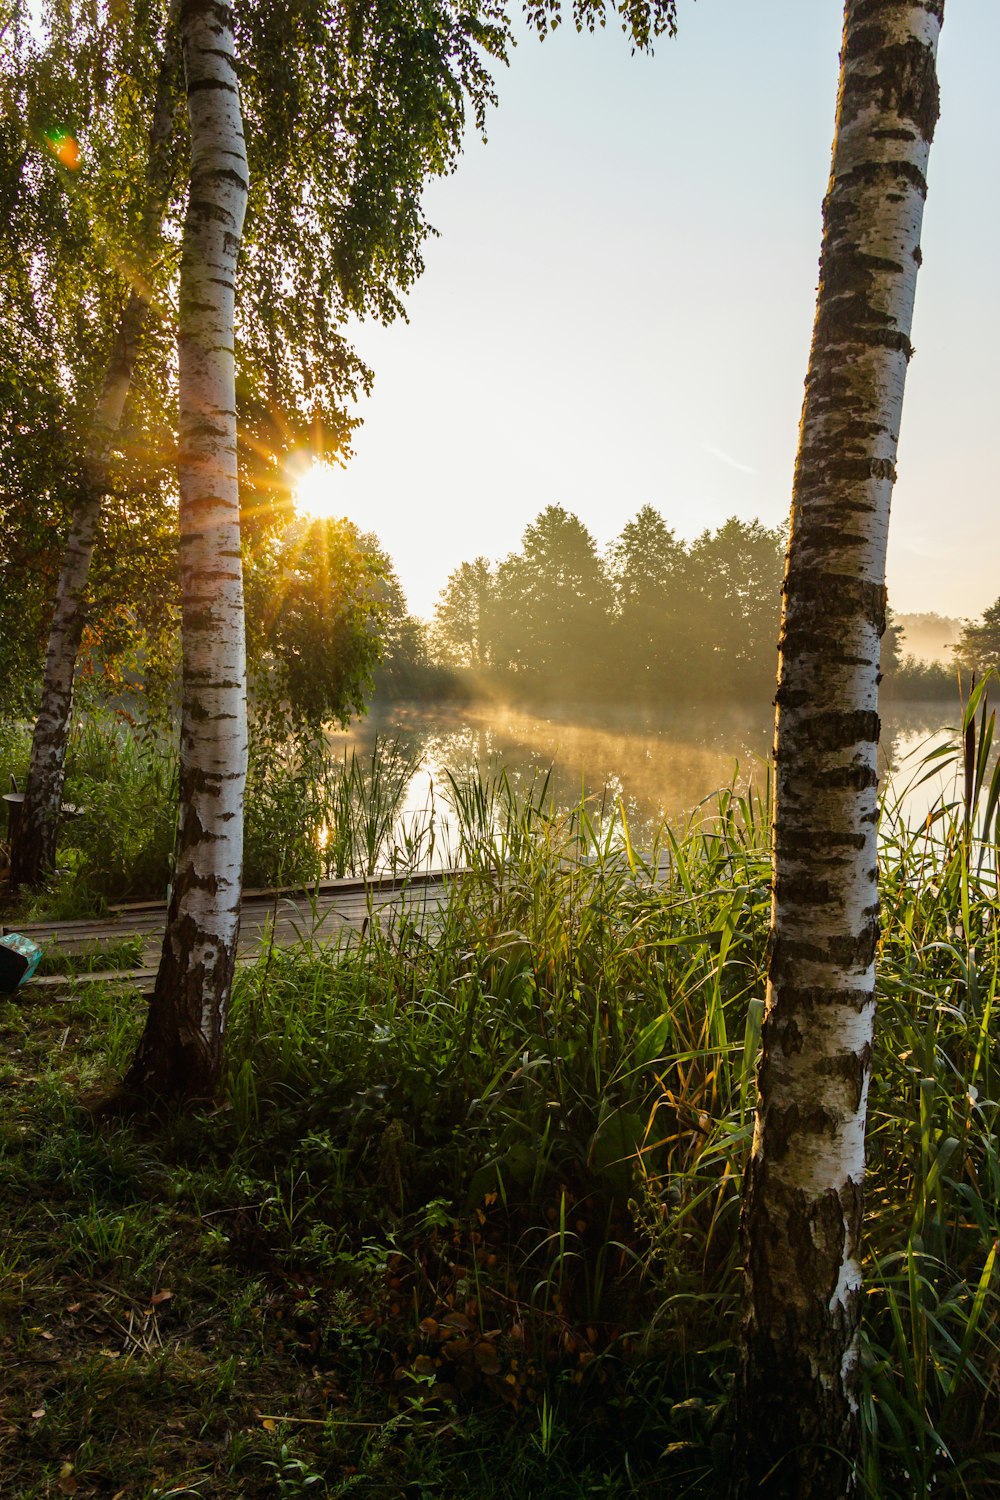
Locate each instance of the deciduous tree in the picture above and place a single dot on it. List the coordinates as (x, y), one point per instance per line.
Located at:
(67, 237)
(180, 1051)
(797, 1396)
(978, 648)
(316, 622)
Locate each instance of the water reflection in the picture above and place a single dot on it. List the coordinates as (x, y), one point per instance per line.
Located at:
(656, 765)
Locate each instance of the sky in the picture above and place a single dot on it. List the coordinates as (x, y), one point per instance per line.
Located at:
(619, 305)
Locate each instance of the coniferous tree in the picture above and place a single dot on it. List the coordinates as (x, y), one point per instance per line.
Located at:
(551, 608)
(463, 617)
(651, 626)
(733, 607)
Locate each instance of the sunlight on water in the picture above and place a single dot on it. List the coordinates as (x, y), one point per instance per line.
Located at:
(655, 766)
(908, 779)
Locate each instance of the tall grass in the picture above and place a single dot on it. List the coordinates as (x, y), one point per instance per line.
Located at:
(566, 1057)
(310, 812)
(577, 1047)
(932, 1323)
(524, 1118)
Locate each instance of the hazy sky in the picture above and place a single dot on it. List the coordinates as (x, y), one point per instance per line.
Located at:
(619, 307)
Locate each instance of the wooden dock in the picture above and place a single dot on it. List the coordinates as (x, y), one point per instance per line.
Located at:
(329, 912)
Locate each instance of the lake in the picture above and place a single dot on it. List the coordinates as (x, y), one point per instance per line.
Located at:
(657, 764)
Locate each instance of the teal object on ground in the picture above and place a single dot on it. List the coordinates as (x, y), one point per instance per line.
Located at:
(18, 961)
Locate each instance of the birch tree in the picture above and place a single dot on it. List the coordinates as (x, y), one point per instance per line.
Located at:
(803, 1196)
(180, 1050)
(395, 85)
(34, 844)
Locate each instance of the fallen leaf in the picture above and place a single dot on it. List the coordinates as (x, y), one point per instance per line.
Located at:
(74, 1307)
(43, 1333)
(486, 1358)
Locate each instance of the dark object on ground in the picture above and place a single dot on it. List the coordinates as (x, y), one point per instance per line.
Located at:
(18, 960)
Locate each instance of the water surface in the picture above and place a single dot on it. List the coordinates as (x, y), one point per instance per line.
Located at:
(654, 765)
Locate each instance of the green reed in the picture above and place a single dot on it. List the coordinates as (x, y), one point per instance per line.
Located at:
(932, 1321)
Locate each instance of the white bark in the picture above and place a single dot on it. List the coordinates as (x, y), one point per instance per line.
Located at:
(33, 854)
(804, 1191)
(180, 1053)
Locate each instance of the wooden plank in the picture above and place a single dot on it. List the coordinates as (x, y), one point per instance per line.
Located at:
(344, 902)
(281, 922)
(322, 887)
(71, 981)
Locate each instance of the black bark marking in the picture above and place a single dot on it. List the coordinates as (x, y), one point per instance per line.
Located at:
(825, 1242)
(206, 85)
(847, 950)
(786, 1124)
(852, 1068)
(786, 1035)
(831, 732)
(803, 843)
(905, 79)
(875, 173)
(854, 778)
(811, 889)
(901, 134)
(810, 998)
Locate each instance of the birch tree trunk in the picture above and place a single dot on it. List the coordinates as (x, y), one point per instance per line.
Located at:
(34, 844)
(797, 1429)
(180, 1053)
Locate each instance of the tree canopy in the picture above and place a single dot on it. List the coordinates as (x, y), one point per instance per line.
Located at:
(978, 646)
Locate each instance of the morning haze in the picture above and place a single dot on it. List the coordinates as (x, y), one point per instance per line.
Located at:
(618, 309)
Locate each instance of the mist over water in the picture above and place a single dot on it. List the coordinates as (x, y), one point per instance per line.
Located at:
(655, 765)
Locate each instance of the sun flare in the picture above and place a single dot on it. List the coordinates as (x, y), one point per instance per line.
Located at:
(317, 495)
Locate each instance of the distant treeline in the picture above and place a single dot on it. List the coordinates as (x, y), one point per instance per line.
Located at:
(652, 619)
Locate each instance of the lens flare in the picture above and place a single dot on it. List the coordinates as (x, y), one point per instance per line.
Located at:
(64, 148)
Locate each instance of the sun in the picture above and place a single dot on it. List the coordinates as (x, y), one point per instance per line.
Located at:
(318, 494)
